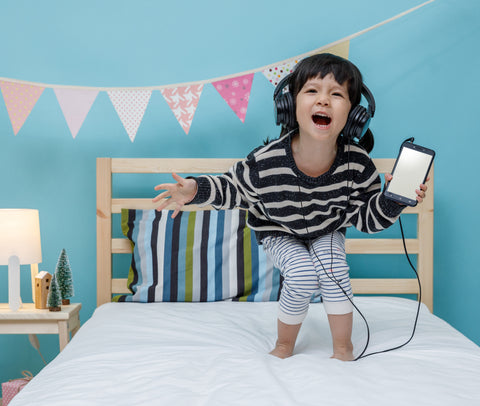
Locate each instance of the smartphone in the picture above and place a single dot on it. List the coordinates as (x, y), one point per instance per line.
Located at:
(410, 171)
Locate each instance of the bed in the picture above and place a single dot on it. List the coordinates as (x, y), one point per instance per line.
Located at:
(198, 341)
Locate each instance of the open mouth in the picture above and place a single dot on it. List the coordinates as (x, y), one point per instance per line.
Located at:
(321, 119)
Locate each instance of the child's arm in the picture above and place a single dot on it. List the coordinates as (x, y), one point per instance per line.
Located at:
(221, 191)
(369, 210)
(180, 193)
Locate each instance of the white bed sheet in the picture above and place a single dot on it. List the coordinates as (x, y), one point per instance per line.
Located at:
(217, 354)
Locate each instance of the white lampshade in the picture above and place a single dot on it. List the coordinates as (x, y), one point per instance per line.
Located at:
(19, 244)
(20, 236)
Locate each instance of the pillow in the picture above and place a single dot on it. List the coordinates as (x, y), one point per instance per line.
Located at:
(200, 256)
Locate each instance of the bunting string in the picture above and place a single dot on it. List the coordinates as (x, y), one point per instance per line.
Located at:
(130, 103)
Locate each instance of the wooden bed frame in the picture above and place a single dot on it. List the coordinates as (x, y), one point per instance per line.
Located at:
(422, 245)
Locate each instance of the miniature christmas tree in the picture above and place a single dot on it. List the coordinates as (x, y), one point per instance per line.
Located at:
(54, 299)
(64, 278)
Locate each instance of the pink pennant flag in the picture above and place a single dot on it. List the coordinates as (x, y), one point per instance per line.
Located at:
(276, 73)
(130, 106)
(236, 92)
(20, 100)
(183, 101)
(75, 105)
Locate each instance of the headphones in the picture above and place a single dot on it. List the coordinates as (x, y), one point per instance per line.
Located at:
(358, 118)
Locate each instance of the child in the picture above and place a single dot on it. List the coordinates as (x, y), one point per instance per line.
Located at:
(302, 190)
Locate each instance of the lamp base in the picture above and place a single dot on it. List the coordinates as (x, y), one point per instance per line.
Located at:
(14, 299)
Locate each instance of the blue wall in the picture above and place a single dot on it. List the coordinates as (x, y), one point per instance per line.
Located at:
(422, 69)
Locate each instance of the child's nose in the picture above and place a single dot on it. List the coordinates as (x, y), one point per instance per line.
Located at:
(323, 99)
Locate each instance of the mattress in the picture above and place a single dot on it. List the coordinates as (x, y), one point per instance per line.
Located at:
(217, 354)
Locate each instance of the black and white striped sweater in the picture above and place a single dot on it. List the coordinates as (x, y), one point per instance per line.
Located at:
(281, 199)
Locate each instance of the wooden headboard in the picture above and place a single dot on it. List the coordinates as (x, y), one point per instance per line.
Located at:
(422, 245)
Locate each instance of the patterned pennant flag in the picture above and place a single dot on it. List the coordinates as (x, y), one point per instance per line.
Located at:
(20, 100)
(75, 105)
(183, 101)
(130, 106)
(276, 73)
(236, 92)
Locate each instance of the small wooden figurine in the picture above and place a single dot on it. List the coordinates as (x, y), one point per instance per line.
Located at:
(42, 287)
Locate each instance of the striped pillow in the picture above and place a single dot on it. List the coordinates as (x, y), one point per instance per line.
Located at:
(200, 256)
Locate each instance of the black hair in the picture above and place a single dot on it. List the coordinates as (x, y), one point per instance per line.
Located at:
(320, 65)
(344, 71)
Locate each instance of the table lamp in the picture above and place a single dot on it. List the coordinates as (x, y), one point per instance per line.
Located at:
(19, 245)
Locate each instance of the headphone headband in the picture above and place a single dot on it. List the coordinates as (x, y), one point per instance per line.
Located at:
(370, 100)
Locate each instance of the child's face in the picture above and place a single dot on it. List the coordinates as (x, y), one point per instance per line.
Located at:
(322, 108)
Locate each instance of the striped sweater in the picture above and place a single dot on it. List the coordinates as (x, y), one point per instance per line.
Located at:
(281, 199)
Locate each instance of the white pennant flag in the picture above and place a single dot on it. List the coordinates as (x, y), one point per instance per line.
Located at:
(275, 74)
(75, 105)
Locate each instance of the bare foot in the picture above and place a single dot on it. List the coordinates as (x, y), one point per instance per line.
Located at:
(287, 335)
(282, 351)
(343, 356)
(341, 329)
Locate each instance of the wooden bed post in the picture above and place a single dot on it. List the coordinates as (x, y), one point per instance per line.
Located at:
(425, 237)
(104, 230)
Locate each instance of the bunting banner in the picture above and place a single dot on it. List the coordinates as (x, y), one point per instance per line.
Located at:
(131, 103)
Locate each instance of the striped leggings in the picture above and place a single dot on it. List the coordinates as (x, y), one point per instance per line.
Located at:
(307, 268)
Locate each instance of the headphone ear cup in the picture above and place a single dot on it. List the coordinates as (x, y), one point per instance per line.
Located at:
(357, 123)
(279, 110)
(285, 110)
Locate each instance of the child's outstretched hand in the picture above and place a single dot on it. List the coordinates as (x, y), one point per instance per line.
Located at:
(179, 193)
(421, 191)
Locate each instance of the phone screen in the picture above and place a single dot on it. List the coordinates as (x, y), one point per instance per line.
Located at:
(411, 169)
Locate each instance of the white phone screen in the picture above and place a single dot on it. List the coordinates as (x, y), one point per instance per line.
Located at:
(410, 171)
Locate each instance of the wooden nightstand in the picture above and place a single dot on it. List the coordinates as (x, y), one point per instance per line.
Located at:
(29, 320)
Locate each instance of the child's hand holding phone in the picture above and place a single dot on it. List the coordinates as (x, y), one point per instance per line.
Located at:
(406, 185)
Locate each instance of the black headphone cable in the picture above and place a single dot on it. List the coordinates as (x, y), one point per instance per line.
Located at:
(418, 306)
(333, 278)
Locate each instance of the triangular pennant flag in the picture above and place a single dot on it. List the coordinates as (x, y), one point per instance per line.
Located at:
(130, 106)
(276, 73)
(183, 101)
(236, 92)
(75, 105)
(20, 100)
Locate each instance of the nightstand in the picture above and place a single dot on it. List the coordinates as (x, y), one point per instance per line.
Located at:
(29, 320)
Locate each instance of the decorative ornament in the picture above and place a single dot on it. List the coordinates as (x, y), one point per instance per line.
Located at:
(63, 274)
(54, 298)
